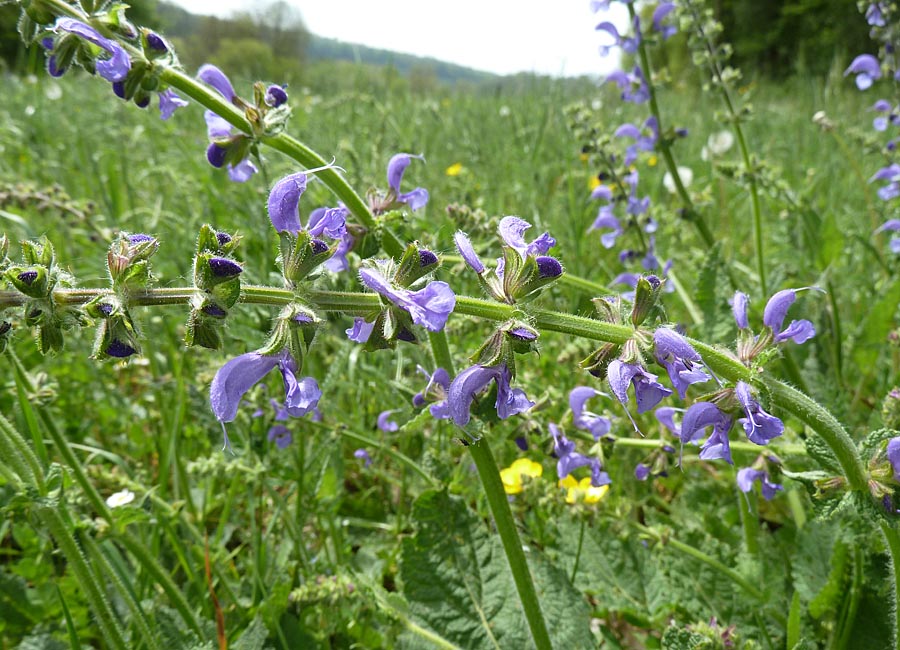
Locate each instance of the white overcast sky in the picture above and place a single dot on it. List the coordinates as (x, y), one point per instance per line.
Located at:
(554, 37)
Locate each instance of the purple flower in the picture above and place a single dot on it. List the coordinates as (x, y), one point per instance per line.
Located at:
(471, 381)
(218, 129)
(629, 45)
(606, 218)
(275, 96)
(659, 14)
(739, 309)
(867, 70)
(894, 225)
(240, 374)
(363, 455)
(641, 472)
(893, 456)
(113, 69)
(361, 330)
(644, 140)
(435, 391)
(891, 173)
(759, 425)
(512, 231)
(647, 391)
(598, 425)
(679, 358)
(280, 435)
(633, 85)
(465, 248)
(746, 477)
(875, 15)
(385, 423)
(168, 102)
(284, 203)
(775, 312)
(416, 198)
(429, 307)
(570, 460)
(213, 76)
(695, 421)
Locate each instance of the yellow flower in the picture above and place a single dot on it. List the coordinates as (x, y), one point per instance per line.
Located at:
(583, 157)
(651, 161)
(512, 475)
(594, 183)
(454, 170)
(582, 490)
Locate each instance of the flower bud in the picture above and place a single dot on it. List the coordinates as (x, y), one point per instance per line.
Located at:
(646, 296)
(415, 263)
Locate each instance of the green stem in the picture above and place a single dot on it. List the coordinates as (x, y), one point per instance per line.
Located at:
(19, 456)
(512, 545)
(892, 537)
(578, 551)
(699, 555)
(99, 604)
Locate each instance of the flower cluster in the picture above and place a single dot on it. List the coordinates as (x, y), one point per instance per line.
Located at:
(868, 70)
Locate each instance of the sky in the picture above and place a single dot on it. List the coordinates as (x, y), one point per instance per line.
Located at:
(500, 36)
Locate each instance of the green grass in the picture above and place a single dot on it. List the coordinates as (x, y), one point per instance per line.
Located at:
(307, 541)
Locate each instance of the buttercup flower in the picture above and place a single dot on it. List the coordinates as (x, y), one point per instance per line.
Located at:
(512, 475)
(583, 490)
(471, 381)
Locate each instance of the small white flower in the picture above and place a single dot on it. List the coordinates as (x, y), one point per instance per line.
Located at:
(505, 111)
(118, 499)
(717, 144)
(53, 91)
(597, 104)
(29, 110)
(687, 177)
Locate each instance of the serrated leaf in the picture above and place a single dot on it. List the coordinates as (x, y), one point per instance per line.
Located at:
(458, 583)
(873, 441)
(681, 639)
(254, 637)
(818, 565)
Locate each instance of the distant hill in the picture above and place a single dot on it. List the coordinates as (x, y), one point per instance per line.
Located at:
(178, 22)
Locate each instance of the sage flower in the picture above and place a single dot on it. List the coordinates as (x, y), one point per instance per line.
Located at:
(598, 425)
(114, 68)
(385, 423)
(397, 165)
(429, 307)
(759, 425)
(747, 476)
(867, 70)
(893, 456)
(219, 130)
(512, 231)
(471, 381)
(681, 361)
(436, 393)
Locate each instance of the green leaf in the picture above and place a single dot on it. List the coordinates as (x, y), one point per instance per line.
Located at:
(675, 638)
(254, 637)
(458, 584)
(880, 318)
(818, 566)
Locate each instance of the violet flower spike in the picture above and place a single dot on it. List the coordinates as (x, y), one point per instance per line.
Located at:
(760, 426)
(113, 69)
(429, 307)
(416, 198)
(472, 380)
